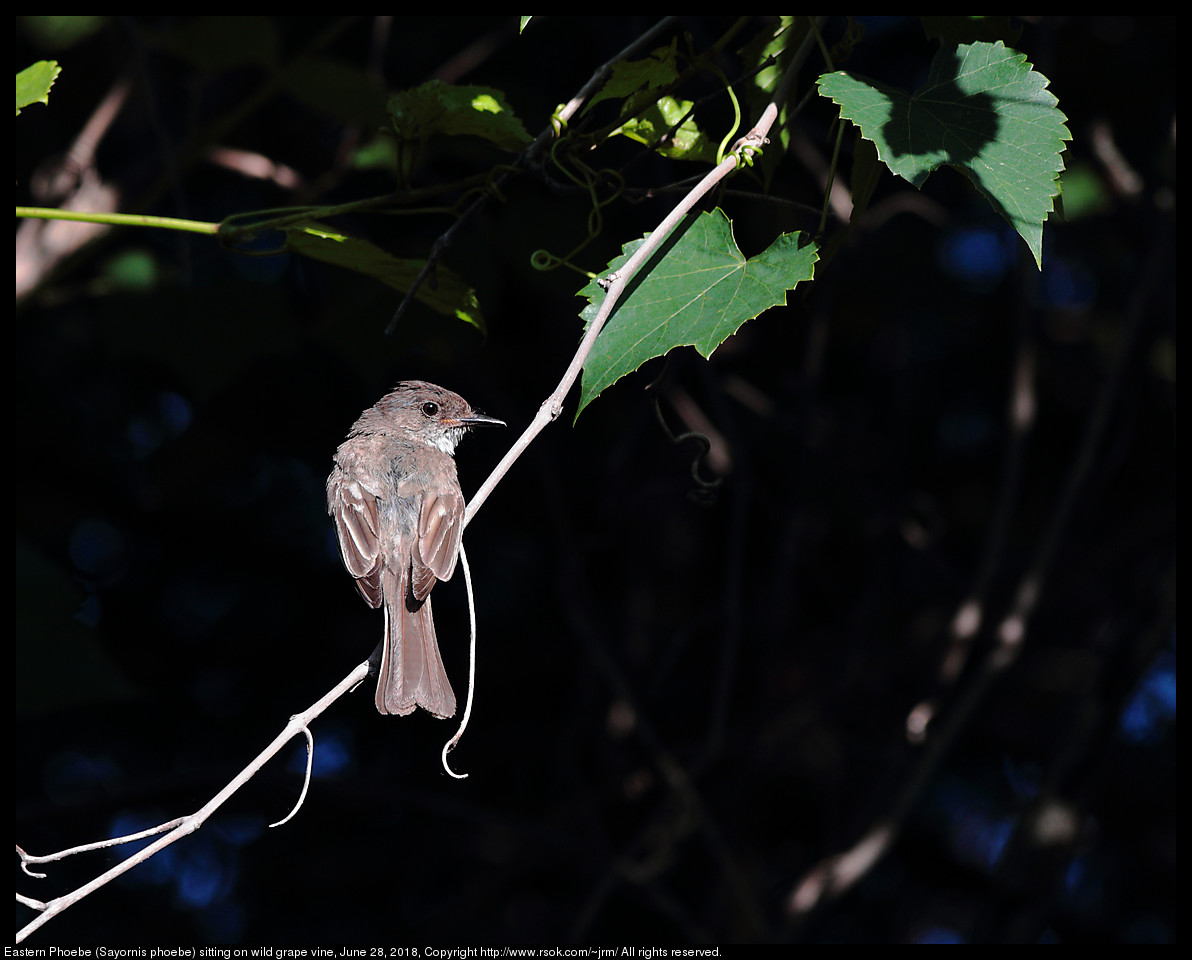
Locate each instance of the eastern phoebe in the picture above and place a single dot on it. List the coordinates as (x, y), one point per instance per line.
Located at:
(399, 512)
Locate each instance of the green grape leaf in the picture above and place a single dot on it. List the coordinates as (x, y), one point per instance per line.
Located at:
(640, 77)
(437, 107)
(983, 110)
(767, 57)
(698, 290)
(448, 294)
(686, 143)
(34, 82)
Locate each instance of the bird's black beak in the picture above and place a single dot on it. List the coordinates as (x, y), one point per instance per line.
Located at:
(481, 420)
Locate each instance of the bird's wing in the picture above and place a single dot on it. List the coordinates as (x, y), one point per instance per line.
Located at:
(440, 527)
(352, 503)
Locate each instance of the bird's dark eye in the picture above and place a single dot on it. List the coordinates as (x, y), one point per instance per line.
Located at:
(430, 408)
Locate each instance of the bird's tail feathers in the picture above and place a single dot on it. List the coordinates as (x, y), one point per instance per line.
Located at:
(412, 672)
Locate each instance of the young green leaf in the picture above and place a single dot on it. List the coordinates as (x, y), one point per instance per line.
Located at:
(686, 143)
(437, 107)
(34, 82)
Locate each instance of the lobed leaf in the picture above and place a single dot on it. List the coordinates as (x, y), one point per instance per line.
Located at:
(983, 110)
(698, 291)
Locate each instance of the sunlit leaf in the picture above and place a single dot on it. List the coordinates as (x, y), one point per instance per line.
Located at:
(34, 82)
(984, 111)
(448, 294)
(639, 78)
(437, 107)
(698, 290)
(687, 142)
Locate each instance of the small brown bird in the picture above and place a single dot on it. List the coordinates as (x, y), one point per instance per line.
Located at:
(398, 509)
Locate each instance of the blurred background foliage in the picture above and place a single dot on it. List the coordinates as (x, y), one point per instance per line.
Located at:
(684, 702)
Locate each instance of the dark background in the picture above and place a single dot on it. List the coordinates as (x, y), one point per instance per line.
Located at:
(683, 704)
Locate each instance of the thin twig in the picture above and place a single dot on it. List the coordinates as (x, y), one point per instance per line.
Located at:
(463, 723)
(184, 826)
(310, 762)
